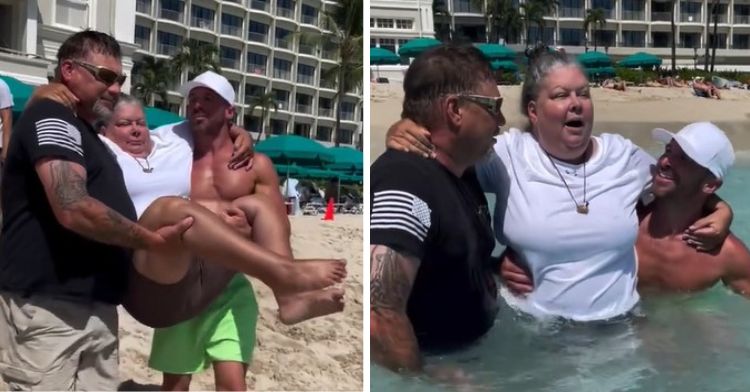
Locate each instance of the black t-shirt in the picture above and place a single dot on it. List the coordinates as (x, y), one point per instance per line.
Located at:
(421, 209)
(37, 254)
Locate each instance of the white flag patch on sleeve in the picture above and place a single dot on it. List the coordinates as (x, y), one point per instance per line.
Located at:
(400, 210)
(60, 133)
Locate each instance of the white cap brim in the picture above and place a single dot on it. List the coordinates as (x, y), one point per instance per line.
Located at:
(663, 136)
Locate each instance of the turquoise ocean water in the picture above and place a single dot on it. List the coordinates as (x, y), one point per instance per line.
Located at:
(687, 343)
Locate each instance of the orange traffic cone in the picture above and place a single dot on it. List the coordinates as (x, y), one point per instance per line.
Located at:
(329, 210)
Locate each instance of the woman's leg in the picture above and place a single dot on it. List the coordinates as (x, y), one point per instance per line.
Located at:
(213, 240)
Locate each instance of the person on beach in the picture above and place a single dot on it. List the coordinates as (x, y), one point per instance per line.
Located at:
(431, 283)
(566, 200)
(705, 89)
(694, 163)
(67, 209)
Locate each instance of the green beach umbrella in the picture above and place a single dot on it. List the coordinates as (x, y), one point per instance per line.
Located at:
(156, 117)
(504, 65)
(594, 59)
(600, 71)
(21, 93)
(286, 149)
(382, 56)
(640, 59)
(496, 52)
(346, 159)
(415, 47)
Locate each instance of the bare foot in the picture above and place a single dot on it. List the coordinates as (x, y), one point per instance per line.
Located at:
(296, 308)
(310, 275)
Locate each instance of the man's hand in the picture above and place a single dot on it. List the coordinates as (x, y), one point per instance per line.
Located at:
(406, 135)
(237, 219)
(171, 234)
(516, 279)
(56, 92)
(243, 153)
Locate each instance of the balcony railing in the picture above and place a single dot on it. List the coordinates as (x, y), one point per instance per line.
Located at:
(721, 18)
(329, 54)
(176, 16)
(284, 43)
(283, 105)
(609, 13)
(691, 17)
(741, 45)
(307, 49)
(143, 6)
(230, 63)
(661, 16)
(167, 49)
(304, 109)
(260, 5)
(633, 43)
(231, 30)
(349, 116)
(256, 69)
(202, 23)
(633, 15)
(282, 74)
(257, 37)
(305, 79)
(325, 112)
(144, 42)
(742, 19)
(285, 12)
(327, 84)
(567, 12)
(310, 19)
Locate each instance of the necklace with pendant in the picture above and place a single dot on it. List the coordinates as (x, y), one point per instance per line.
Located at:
(147, 168)
(582, 208)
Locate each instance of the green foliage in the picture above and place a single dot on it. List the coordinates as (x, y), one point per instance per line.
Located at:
(152, 78)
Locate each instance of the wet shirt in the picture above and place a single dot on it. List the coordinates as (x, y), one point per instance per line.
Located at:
(38, 255)
(419, 208)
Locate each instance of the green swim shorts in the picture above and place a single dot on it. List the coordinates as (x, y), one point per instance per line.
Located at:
(225, 331)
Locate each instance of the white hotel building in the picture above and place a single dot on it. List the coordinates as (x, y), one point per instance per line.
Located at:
(259, 51)
(632, 26)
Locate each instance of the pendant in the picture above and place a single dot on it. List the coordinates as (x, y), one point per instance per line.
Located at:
(582, 208)
(147, 169)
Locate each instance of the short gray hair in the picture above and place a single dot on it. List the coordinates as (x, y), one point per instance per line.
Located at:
(542, 61)
(123, 99)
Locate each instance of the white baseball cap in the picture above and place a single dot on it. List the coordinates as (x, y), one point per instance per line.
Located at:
(211, 80)
(704, 143)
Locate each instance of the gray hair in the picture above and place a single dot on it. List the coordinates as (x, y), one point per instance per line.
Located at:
(105, 116)
(541, 62)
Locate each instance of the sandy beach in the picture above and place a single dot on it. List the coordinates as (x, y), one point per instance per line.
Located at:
(632, 113)
(324, 354)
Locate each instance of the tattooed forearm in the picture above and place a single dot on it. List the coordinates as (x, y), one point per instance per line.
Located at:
(392, 340)
(69, 186)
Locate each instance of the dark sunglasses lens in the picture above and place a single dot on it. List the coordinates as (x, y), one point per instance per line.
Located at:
(121, 79)
(107, 76)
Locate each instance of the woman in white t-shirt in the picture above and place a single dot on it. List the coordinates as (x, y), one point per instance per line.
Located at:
(565, 199)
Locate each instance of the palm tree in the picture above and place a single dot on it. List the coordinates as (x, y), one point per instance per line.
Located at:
(443, 20)
(152, 77)
(265, 102)
(533, 14)
(597, 18)
(344, 35)
(672, 37)
(714, 4)
(196, 57)
(715, 40)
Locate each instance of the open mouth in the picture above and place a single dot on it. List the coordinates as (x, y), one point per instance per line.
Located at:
(574, 123)
(665, 173)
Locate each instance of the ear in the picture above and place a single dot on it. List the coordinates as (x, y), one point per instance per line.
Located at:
(711, 185)
(229, 113)
(65, 70)
(531, 111)
(453, 112)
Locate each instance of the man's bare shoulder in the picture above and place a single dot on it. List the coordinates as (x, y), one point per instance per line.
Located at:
(735, 250)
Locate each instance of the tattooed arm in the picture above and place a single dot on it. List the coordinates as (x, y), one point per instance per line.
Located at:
(392, 340)
(65, 185)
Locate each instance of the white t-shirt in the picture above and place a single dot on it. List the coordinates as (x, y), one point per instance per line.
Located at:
(171, 159)
(6, 101)
(583, 266)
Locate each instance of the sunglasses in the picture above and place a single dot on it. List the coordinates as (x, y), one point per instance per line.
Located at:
(491, 104)
(102, 74)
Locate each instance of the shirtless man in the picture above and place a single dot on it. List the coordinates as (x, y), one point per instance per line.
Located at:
(692, 167)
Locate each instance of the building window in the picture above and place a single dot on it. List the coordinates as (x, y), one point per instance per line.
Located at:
(202, 17)
(323, 134)
(256, 63)
(304, 103)
(282, 69)
(302, 130)
(169, 44)
(283, 38)
(231, 24)
(229, 57)
(385, 23)
(345, 136)
(404, 24)
(372, 22)
(257, 32)
(347, 111)
(251, 123)
(282, 97)
(305, 74)
(571, 37)
(252, 91)
(278, 127)
(309, 15)
(143, 37)
(388, 43)
(72, 13)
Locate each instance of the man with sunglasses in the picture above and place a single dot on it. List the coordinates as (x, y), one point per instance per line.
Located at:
(68, 229)
(431, 285)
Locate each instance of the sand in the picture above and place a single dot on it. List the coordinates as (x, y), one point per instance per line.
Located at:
(632, 113)
(324, 354)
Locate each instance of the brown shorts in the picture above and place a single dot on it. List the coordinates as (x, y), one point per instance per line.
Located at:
(50, 344)
(164, 305)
